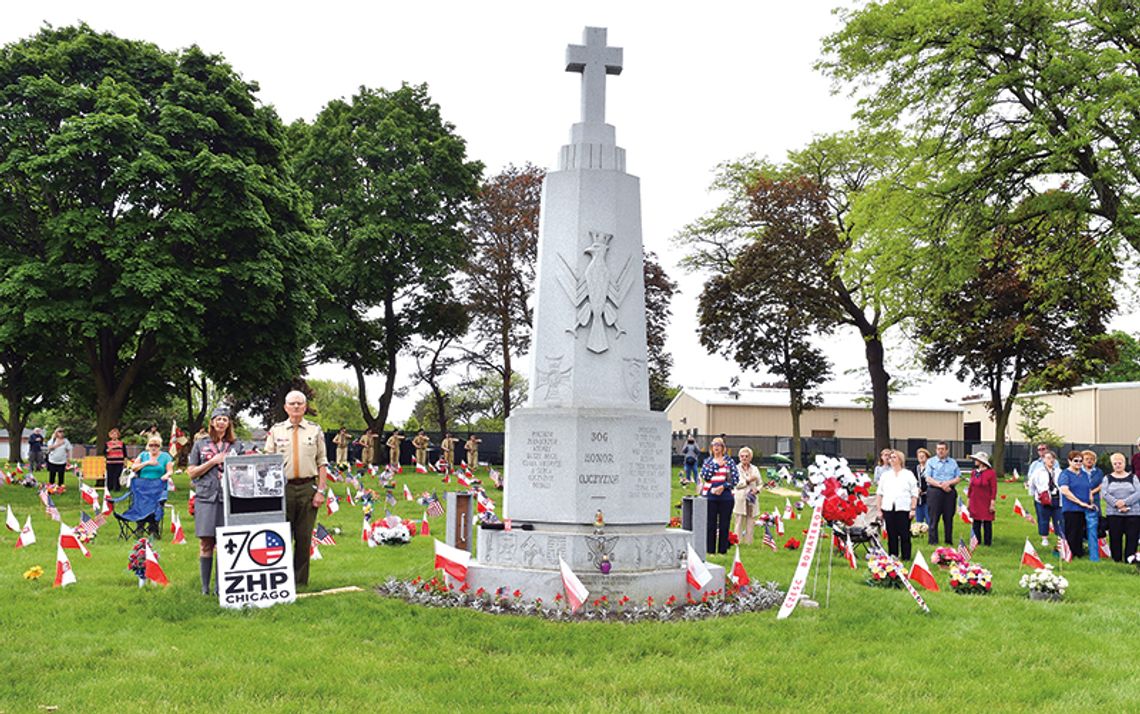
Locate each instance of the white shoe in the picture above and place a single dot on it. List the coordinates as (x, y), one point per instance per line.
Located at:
(1044, 541)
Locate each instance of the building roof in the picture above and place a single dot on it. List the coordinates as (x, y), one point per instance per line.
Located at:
(738, 396)
(1109, 386)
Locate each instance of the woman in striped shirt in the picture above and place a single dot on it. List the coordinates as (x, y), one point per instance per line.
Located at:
(718, 477)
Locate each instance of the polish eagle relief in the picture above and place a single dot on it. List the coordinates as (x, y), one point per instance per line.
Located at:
(596, 293)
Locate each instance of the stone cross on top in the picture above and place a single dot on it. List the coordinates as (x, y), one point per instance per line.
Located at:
(594, 60)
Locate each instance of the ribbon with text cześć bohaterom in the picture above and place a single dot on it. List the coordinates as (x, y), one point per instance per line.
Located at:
(799, 580)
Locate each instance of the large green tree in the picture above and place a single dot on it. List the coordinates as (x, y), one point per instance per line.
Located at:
(390, 184)
(1008, 96)
(150, 198)
(659, 290)
(1025, 303)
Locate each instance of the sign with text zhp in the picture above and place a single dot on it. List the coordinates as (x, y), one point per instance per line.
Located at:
(255, 565)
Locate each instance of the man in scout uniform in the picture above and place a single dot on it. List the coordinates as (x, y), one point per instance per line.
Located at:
(447, 443)
(302, 445)
(421, 442)
(472, 447)
(342, 440)
(394, 449)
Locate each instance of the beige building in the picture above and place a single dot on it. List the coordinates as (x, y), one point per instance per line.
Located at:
(765, 412)
(1092, 414)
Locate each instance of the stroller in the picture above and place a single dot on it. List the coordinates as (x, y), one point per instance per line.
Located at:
(147, 509)
(864, 531)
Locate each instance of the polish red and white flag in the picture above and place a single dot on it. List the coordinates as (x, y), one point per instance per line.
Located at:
(11, 522)
(332, 503)
(68, 539)
(408, 493)
(64, 576)
(697, 573)
(576, 592)
(27, 535)
(738, 574)
(965, 514)
(420, 468)
(179, 534)
(1029, 556)
(425, 529)
(1018, 509)
(1103, 549)
(849, 553)
(920, 573)
(89, 495)
(451, 560)
(153, 569)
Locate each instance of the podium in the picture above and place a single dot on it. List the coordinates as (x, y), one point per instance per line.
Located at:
(255, 549)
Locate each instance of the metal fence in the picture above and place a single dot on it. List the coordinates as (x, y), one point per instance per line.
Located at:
(862, 452)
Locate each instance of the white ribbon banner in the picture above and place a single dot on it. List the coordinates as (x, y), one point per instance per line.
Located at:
(910, 589)
(799, 580)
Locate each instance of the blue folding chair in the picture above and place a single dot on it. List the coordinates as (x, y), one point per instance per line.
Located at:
(147, 509)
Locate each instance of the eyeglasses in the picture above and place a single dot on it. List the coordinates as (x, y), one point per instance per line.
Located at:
(1041, 448)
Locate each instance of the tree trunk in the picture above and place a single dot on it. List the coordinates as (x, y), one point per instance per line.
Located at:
(14, 422)
(440, 408)
(880, 389)
(796, 400)
(113, 390)
(1002, 410)
(507, 376)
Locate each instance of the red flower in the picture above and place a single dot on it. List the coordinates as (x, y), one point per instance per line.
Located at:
(480, 591)
(649, 601)
(557, 597)
(517, 593)
(733, 539)
(671, 601)
(792, 544)
(464, 588)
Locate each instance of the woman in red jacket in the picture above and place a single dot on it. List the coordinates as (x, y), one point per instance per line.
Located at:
(981, 497)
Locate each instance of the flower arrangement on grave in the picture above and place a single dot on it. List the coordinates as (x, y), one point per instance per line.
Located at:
(832, 484)
(136, 561)
(33, 573)
(1045, 582)
(945, 557)
(884, 571)
(84, 536)
(675, 522)
(918, 528)
(56, 488)
(792, 544)
(385, 534)
(970, 579)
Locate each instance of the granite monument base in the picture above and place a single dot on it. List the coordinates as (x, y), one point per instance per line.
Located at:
(644, 562)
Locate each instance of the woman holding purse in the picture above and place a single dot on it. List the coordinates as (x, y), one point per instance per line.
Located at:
(745, 496)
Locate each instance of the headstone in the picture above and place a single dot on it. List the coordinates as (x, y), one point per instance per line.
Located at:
(695, 519)
(459, 519)
(587, 462)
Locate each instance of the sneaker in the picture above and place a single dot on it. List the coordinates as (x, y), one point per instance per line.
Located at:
(1044, 541)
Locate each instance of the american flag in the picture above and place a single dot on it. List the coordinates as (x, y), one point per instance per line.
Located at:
(49, 505)
(87, 525)
(321, 535)
(768, 539)
(496, 477)
(973, 542)
(434, 507)
(965, 552)
(1066, 551)
(390, 498)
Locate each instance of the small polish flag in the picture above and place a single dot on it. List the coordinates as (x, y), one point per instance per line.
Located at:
(89, 495)
(179, 534)
(1015, 474)
(424, 528)
(452, 560)
(109, 505)
(68, 539)
(153, 569)
(314, 551)
(20, 469)
(408, 493)
(462, 479)
(779, 522)
(1051, 530)
(849, 553)
(920, 573)
(576, 592)
(63, 573)
(332, 503)
(365, 530)
(738, 574)
(446, 478)
(697, 573)
(789, 512)
(190, 502)
(170, 488)
(965, 514)
(420, 468)
(12, 523)
(349, 497)
(1103, 549)
(1018, 509)
(1029, 556)
(27, 535)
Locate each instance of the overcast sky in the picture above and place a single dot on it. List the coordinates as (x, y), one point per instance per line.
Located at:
(701, 84)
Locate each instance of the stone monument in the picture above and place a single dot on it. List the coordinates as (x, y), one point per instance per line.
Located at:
(587, 462)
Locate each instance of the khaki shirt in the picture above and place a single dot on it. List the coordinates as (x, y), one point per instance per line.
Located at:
(310, 447)
(421, 442)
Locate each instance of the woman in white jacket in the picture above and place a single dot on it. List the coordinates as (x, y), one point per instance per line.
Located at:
(1042, 485)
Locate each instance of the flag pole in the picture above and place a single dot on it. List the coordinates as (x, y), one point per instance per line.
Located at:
(830, 555)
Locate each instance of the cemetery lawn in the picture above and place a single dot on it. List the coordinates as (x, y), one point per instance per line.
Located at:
(104, 644)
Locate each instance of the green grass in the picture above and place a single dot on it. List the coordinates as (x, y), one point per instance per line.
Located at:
(105, 644)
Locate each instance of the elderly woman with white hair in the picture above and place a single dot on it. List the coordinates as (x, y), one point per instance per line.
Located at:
(745, 496)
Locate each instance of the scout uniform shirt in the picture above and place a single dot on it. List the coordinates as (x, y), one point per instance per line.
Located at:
(394, 449)
(302, 458)
(421, 443)
(448, 445)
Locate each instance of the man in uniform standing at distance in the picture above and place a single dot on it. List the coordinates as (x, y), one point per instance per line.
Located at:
(447, 443)
(394, 450)
(342, 440)
(302, 445)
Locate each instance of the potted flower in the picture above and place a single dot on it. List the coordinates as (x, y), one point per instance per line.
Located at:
(1044, 584)
(884, 571)
(944, 557)
(919, 529)
(970, 579)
